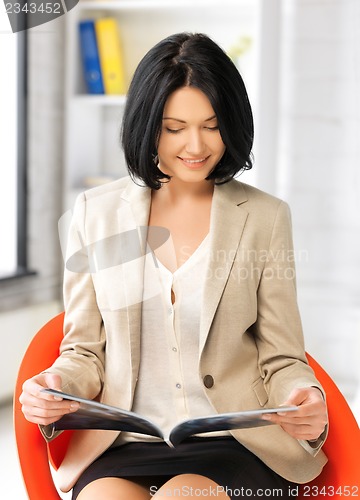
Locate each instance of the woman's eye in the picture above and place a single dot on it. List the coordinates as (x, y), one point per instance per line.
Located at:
(177, 130)
(173, 130)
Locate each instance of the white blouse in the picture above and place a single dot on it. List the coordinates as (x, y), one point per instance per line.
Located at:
(169, 388)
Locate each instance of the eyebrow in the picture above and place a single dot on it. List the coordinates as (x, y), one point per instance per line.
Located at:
(183, 121)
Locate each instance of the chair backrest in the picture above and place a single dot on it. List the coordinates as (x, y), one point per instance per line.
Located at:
(342, 446)
(34, 453)
(341, 475)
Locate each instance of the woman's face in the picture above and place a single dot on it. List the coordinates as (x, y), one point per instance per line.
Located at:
(190, 144)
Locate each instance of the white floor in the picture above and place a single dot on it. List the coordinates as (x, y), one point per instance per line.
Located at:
(11, 479)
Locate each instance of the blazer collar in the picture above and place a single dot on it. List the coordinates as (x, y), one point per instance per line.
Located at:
(139, 197)
(225, 195)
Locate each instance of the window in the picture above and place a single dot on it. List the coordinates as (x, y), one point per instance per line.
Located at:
(12, 151)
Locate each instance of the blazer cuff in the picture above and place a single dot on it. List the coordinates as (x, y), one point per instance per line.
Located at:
(48, 432)
(313, 447)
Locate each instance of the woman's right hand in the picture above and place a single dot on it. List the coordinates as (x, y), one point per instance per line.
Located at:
(41, 408)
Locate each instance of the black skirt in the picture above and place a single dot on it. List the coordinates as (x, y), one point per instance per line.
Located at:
(221, 459)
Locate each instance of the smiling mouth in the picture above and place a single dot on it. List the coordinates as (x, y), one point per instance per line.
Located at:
(194, 162)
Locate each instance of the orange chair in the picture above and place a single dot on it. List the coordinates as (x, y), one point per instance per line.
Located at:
(341, 475)
(34, 453)
(342, 445)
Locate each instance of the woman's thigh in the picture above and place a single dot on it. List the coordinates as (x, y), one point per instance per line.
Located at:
(113, 488)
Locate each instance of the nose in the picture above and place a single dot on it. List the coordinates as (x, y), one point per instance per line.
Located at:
(195, 143)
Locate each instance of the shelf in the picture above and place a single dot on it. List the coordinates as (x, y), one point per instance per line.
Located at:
(156, 4)
(93, 121)
(100, 100)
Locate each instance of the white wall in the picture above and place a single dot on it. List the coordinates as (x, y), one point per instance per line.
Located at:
(29, 302)
(318, 174)
(19, 327)
(45, 151)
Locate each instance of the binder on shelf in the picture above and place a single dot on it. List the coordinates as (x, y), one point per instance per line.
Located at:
(90, 57)
(111, 56)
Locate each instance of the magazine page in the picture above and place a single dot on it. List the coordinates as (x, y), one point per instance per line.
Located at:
(223, 422)
(95, 415)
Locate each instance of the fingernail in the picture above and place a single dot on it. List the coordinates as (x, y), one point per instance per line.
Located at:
(266, 417)
(56, 398)
(282, 413)
(74, 406)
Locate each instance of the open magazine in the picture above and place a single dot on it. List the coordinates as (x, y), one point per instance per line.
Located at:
(95, 415)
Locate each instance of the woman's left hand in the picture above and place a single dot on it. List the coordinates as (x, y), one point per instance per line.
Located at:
(309, 421)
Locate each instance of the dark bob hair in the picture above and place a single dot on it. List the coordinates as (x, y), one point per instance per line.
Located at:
(186, 59)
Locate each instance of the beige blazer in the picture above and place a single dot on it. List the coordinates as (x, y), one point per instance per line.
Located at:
(251, 342)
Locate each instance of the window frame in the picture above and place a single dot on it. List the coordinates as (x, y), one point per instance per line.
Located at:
(21, 163)
(22, 262)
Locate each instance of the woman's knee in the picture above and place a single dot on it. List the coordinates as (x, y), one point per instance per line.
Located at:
(113, 488)
(191, 486)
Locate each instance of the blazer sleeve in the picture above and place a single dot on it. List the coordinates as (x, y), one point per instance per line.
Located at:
(81, 361)
(278, 330)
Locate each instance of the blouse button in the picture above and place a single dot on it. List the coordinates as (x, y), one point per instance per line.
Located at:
(178, 386)
(174, 349)
(208, 381)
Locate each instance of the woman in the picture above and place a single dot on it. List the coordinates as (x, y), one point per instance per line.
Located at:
(180, 300)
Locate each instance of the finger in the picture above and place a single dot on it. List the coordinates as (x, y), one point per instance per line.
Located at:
(33, 393)
(304, 395)
(38, 411)
(306, 428)
(303, 412)
(53, 381)
(304, 432)
(298, 396)
(48, 413)
(35, 386)
(33, 401)
(41, 420)
(290, 419)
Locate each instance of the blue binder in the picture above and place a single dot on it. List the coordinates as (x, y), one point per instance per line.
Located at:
(90, 58)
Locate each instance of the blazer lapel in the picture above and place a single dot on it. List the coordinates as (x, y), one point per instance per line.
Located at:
(228, 218)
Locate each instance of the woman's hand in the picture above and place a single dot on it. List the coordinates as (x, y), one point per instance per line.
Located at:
(309, 421)
(41, 408)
